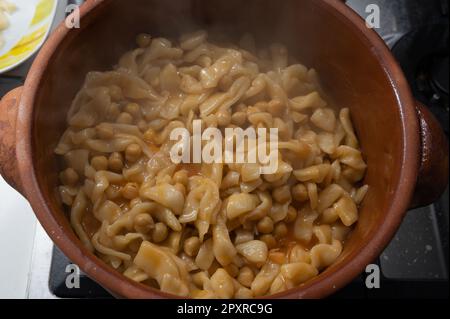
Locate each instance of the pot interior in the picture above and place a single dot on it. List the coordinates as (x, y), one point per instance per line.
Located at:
(314, 33)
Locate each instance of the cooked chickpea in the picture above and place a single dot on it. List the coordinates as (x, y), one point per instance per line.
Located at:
(280, 230)
(291, 214)
(265, 225)
(115, 92)
(160, 232)
(191, 246)
(223, 118)
(69, 176)
(269, 240)
(282, 194)
(100, 163)
(300, 193)
(113, 192)
(115, 162)
(143, 40)
(104, 132)
(275, 107)
(143, 223)
(124, 118)
(149, 135)
(133, 152)
(130, 190)
(142, 125)
(238, 118)
(246, 276)
(133, 109)
(241, 107)
(277, 257)
(181, 177)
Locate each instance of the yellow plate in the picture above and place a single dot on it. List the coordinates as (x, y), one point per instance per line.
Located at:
(29, 27)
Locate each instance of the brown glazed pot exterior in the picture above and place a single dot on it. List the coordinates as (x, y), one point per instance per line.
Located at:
(356, 69)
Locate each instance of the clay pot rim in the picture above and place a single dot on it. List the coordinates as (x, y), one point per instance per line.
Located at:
(323, 285)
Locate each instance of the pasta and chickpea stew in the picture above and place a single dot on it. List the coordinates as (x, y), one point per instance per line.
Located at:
(209, 230)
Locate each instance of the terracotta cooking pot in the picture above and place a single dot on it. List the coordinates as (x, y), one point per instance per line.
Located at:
(406, 151)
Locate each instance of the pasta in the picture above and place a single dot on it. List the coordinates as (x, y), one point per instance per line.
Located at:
(210, 230)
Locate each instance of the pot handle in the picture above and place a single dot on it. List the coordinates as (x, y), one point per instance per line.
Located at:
(433, 172)
(8, 115)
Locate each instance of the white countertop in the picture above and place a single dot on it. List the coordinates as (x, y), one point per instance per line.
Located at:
(17, 232)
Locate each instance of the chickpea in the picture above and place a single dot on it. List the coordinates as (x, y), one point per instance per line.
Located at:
(280, 230)
(149, 135)
(246, 276)
(115, 162)
(291, 214)
(238, 118)
(113, 192)
(143, 40)
(191, 246)
(277, 257)
(275, 107)
(181, 177)
(160, 232)
(300, 193)
(69, 176)
(143, 223)
(133, 109)
(265, 225)
(223, 118)
(115, 92)
(100, 163)
(282, 194)
(241, 107)
(133, 152)
(124, 118)
(130, 191)
(104, 132)
(142, 125)
(269, 240)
